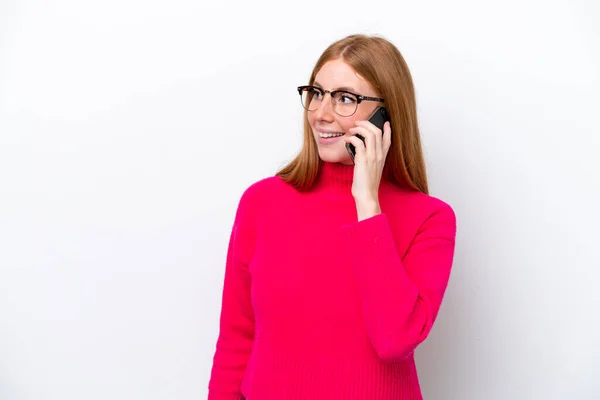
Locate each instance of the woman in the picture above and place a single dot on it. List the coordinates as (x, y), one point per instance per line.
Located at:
(336, 268)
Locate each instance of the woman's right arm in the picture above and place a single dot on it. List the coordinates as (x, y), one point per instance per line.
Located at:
(236, 334)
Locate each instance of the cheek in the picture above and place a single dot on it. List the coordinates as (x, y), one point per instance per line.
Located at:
(347, 124)
(311, 121)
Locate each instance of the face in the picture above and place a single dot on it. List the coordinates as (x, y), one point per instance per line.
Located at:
(334, 75)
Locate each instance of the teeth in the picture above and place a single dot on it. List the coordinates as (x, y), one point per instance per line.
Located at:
(330, 135)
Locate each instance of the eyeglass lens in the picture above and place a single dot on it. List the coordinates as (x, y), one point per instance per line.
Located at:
(343, 103)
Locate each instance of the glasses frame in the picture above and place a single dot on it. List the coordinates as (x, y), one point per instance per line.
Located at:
(360, 98)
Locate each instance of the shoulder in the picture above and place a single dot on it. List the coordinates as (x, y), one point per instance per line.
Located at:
(430, 205)
(415, 202)
(437, 216)
(260, 189)
(414, 212)
(259, 194)
(248, 215)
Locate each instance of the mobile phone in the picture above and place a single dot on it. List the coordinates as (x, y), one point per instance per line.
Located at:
(377, 118)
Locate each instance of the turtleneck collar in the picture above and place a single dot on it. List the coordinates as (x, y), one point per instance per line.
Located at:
(337, 179)
(335, 176)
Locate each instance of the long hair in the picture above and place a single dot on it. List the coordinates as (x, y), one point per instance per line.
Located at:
(381, 64)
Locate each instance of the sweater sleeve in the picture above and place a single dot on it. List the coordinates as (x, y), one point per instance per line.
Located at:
(236, 334)
(401, 297)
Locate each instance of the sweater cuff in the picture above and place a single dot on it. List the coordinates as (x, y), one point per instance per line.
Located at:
(215, 396)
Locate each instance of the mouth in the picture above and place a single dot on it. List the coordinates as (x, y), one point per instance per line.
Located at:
(330, 135)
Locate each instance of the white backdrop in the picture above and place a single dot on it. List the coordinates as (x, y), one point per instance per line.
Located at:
(130, 128)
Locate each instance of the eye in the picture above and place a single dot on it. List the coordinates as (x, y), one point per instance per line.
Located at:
(346, 98)
(315, 93)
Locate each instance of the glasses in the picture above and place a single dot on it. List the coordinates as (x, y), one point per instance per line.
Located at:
(343, 102)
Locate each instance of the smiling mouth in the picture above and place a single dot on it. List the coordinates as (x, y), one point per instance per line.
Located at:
(330, 135)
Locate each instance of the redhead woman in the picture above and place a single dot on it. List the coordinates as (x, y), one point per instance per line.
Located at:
(338, 263)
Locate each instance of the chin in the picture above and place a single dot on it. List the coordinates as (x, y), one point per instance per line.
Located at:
(333, 156)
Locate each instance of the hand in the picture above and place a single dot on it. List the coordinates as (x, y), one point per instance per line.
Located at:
(368, 165)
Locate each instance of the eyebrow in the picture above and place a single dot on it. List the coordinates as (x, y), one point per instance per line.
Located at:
(346, 88)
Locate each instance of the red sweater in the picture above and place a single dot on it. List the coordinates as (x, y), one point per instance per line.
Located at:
(320, 306)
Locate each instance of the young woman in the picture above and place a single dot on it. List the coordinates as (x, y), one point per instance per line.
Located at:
(336, 267)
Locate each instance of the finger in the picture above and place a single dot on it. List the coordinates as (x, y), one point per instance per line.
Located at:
(359, 147)
(368, 125)
(374, 141)
(387, 136)
(368, 139)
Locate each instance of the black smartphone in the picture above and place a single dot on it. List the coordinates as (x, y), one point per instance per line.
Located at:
(378, 118)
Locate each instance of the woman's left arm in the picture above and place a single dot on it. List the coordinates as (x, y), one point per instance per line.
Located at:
(401, 296)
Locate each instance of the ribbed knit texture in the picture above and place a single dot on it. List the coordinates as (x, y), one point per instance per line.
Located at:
(320, 306)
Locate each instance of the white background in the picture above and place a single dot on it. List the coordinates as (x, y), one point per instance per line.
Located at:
(130, 128)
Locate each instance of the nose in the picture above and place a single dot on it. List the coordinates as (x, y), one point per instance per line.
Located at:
(325, 110)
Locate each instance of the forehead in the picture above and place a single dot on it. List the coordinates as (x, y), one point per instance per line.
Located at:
(336, 74)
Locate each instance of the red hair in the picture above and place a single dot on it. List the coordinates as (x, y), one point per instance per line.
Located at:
(381, 64)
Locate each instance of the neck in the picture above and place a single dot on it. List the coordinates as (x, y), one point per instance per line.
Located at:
(335, 176)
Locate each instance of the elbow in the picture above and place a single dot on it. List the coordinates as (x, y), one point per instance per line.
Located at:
(401, 345)
(395, 342)
(391, 353)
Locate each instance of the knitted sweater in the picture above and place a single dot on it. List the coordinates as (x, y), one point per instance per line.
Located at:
(320, 306)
